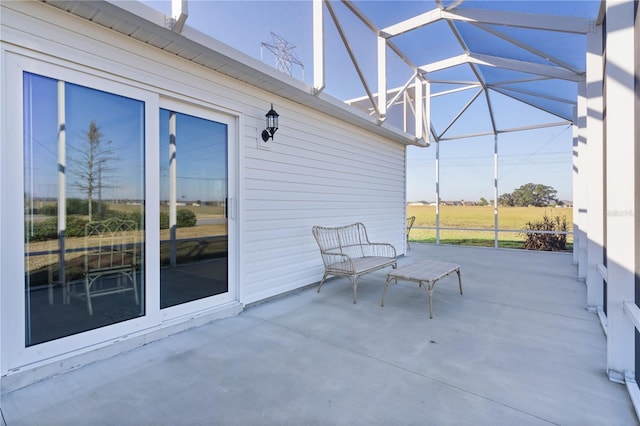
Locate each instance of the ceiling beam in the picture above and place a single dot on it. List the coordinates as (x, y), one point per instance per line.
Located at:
(513, 95)
(524, 66)
(527, 47)
(565, 24)
(412, 23)
(534, 94)
(352, 56)
(445, 63)
(498, 62)
(509, 130)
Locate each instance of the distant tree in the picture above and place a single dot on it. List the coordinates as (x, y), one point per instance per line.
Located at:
(483, 202)
(506, 199)
(90, 165)
(530, 194)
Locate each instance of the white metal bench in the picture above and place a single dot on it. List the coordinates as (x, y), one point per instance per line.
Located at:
(347, 252)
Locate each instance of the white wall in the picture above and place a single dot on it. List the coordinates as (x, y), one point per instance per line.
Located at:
(318, 170)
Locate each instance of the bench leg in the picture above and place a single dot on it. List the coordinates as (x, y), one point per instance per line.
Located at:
(324, 277)
(354, 283)
(459, 280)
(429, 287)
(386, 284)
(87, 289)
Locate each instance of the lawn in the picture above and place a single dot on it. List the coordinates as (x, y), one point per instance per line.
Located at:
(481, 219)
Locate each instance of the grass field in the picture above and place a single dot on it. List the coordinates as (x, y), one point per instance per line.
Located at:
(480, 218)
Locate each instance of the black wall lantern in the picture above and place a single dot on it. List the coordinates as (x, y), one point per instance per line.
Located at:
(272, 124)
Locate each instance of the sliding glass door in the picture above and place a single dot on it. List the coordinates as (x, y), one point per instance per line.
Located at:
(193, 208)
(84, 201)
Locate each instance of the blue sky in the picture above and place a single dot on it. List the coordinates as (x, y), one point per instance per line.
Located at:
(120, 121)
(466, 165)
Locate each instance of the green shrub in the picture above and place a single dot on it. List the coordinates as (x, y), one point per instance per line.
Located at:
(75, 206)
(49, 210)
(185, 218)
(42, 230)
(164, 219)
(75, 226)
(136, 216)
(47, 229)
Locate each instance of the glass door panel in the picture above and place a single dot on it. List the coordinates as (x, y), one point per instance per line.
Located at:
(84, 208)
(193, 220)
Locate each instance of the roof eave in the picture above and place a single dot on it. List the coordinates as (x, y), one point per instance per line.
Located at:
(148, 25)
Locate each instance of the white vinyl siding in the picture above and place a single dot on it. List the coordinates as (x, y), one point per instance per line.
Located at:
(318, 170)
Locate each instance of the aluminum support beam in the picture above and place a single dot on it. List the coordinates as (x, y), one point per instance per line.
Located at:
(510, 64)
(318, 47)
(528, 48)
(621, 186)
(62, 179)
(419, 100)
(495, 192)
(179, 14)
(595, 167)
(173, 189)
(412, 23)
(426, 122)
(437, 193)
(580, 195)
(524, 66)
(352, 56)
(575, 189)
(445, 63)
(382, 77)
(496, 17)
(565, 24)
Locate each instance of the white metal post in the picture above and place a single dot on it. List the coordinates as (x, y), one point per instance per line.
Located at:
(437, 193)
(426, 125)
(419, 102)
(595, 168)
(62, 181)
(495, 190)
(179, 14)
(382, 77)
(173, 190)
(575, 189)
(621, 186)
(580, 197)
(318, 46)
(405, 111)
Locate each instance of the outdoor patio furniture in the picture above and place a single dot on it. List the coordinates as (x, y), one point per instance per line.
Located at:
(347, 252)
(111, 251)
(429, 272)
(410, 221)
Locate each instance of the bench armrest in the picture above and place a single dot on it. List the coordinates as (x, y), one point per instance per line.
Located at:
(338, 262)
(379, 250)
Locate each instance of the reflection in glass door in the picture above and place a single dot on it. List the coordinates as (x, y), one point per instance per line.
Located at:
(193, 195)
(83, 208)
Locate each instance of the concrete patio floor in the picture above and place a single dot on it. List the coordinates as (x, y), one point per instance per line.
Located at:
(518, 348)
